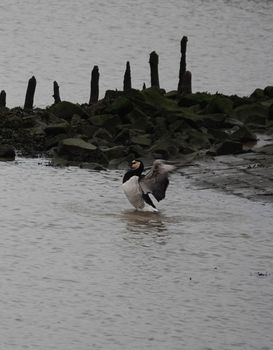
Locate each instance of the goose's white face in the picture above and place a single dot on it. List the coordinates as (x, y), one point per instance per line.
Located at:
(135, 164)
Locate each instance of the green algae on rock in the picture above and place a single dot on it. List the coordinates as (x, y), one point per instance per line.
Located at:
(132, 123)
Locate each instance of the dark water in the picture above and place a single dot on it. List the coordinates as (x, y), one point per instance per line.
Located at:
(80, 270)
(230, 44)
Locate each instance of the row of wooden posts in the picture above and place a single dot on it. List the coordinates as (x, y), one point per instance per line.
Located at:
(184, 82)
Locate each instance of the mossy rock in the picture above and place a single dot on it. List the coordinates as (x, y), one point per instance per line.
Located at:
(231, 122)
(270, 112)
(137, 150)
(179, 125)
(142, 139)
(160, 126)
(217, 135)
(258, 94)
(114, 152)
(103, 134)
(66, 110)
(220, 104)
(12, 121)
(228, 147)
(121, 106)
(239, 101)
(139, 120)
(242, 134)
(154, 97)
(198, 139)
(111, 95)
(77, 149)
(164, 148)
(123, 137)
(7, 153)
(197, 121)
(201, 99)
(267, 103)
(55, 129)
(254, 113)
(106, 121)
(172, 95)
(268, 91)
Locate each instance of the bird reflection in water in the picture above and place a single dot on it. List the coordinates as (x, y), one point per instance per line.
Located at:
(146, 224)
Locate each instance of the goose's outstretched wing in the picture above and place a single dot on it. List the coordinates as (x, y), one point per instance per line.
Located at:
(156, 181)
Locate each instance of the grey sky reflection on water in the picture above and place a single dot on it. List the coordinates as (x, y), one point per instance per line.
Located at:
(144, 222)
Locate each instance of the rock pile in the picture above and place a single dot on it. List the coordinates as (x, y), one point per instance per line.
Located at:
(131, 124)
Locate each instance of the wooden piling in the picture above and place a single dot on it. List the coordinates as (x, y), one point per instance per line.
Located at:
(56, 92)
(3, 98)
(127, 82)
(186, 83)
(94, 94)
(30, 93)
(154, 69)
(182, 69)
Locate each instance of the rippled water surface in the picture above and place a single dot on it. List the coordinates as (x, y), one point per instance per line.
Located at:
(81, 270)
(230, 44)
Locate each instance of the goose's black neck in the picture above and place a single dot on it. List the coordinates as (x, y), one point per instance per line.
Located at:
(133, 172)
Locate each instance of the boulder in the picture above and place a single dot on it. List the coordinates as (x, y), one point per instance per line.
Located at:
(257, 94)
(56, 129)
(200, 99)
(164, 148)
(7, 153)
(268, 91)
(121, 106)
(155, 100)
(101, 120)
(114, 152)
(160, 126)
(242, 134)
(142, 139)
(217, 135)
(197, 139)
(53, 140)
(137, 150)
(254, 113)
(123, 136)
(109, 122)
(139, 120)
(220, 104)
(13, 121)
(78, 150)
(66, 110)
(103, 134)
(228, 147)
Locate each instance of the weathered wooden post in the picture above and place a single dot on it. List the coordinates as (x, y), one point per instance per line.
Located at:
(56, 92)
(182, 68)
(154, 69)
(94, 94)
(186, 83)
(127, 83)
(30, 93)
(3, 98)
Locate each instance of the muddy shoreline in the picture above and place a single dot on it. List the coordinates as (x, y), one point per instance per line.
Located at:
(247, 175)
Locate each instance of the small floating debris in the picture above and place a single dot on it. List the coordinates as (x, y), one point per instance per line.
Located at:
(261, 274)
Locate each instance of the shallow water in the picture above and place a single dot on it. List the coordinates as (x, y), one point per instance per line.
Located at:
(80, 269)
(230, 45)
